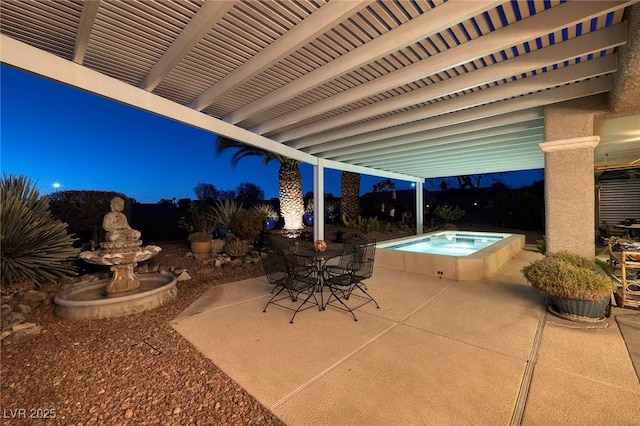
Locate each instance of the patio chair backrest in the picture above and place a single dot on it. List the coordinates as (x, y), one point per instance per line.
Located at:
(275, 264)
(363, 260)
(351, 246)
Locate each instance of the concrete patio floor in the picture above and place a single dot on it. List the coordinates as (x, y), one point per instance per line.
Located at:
(436, 352)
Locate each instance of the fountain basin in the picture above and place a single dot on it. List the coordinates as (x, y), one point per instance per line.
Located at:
(89, 301)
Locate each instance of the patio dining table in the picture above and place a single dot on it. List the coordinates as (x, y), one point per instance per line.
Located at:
(319, 259)
(634, 229)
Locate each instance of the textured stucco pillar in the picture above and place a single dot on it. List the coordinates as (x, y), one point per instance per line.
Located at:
(569, 195)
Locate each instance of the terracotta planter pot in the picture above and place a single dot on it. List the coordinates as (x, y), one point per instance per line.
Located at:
(217, 246)
(200, 247)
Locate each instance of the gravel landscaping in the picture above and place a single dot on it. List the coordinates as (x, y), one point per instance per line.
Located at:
(129, 370)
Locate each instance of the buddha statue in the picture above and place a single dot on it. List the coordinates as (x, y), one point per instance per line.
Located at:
(116, 224)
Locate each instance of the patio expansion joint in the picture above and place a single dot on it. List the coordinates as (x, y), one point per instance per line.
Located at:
(591, 379)
(182, 317)
(525, 384)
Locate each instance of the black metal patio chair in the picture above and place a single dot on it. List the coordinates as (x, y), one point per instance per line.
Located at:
(290, 282)
(348, 292)
(350, 244)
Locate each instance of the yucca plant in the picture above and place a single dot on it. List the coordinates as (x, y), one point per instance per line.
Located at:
(35, 246)
(224, 211)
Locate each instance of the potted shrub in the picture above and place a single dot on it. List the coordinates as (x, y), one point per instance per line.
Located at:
(200, 223)
(200, 242)
(217, 245)
(578, 290)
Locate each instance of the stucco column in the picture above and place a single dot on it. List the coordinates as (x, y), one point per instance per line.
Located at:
(569, 195)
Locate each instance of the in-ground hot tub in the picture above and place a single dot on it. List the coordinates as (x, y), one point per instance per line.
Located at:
(454, 255)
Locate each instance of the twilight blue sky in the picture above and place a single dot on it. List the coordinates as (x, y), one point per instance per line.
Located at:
(53, 133)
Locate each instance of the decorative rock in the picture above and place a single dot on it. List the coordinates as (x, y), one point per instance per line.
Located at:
(22, 309)
(236, 262)
(5, 309)
(49, 299)
(184, 276)
(22, 326)
(87, 278)
(207, 272)
(34, 296)
(14, 318)
(24, 334)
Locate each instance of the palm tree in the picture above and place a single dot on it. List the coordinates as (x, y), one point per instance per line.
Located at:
(350, 194)
(289, 179)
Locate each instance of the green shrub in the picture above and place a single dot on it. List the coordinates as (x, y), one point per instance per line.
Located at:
(365, 225)
(248, 223)
(35, 246)
(84, 211)
(448, 214)
(568, 275)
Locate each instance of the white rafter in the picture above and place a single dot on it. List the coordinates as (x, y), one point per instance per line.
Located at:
(316, 24)
(425, 144)
(536, 83)
(436, 20)
(89, 12)
(503, 38)
(558, 53)
(208, 15)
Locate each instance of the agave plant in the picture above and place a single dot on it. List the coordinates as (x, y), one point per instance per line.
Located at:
(35, 246)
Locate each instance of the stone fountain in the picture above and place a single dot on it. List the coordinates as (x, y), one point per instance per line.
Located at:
(125, 293)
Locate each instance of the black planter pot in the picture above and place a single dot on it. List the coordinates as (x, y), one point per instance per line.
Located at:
(581, 310)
